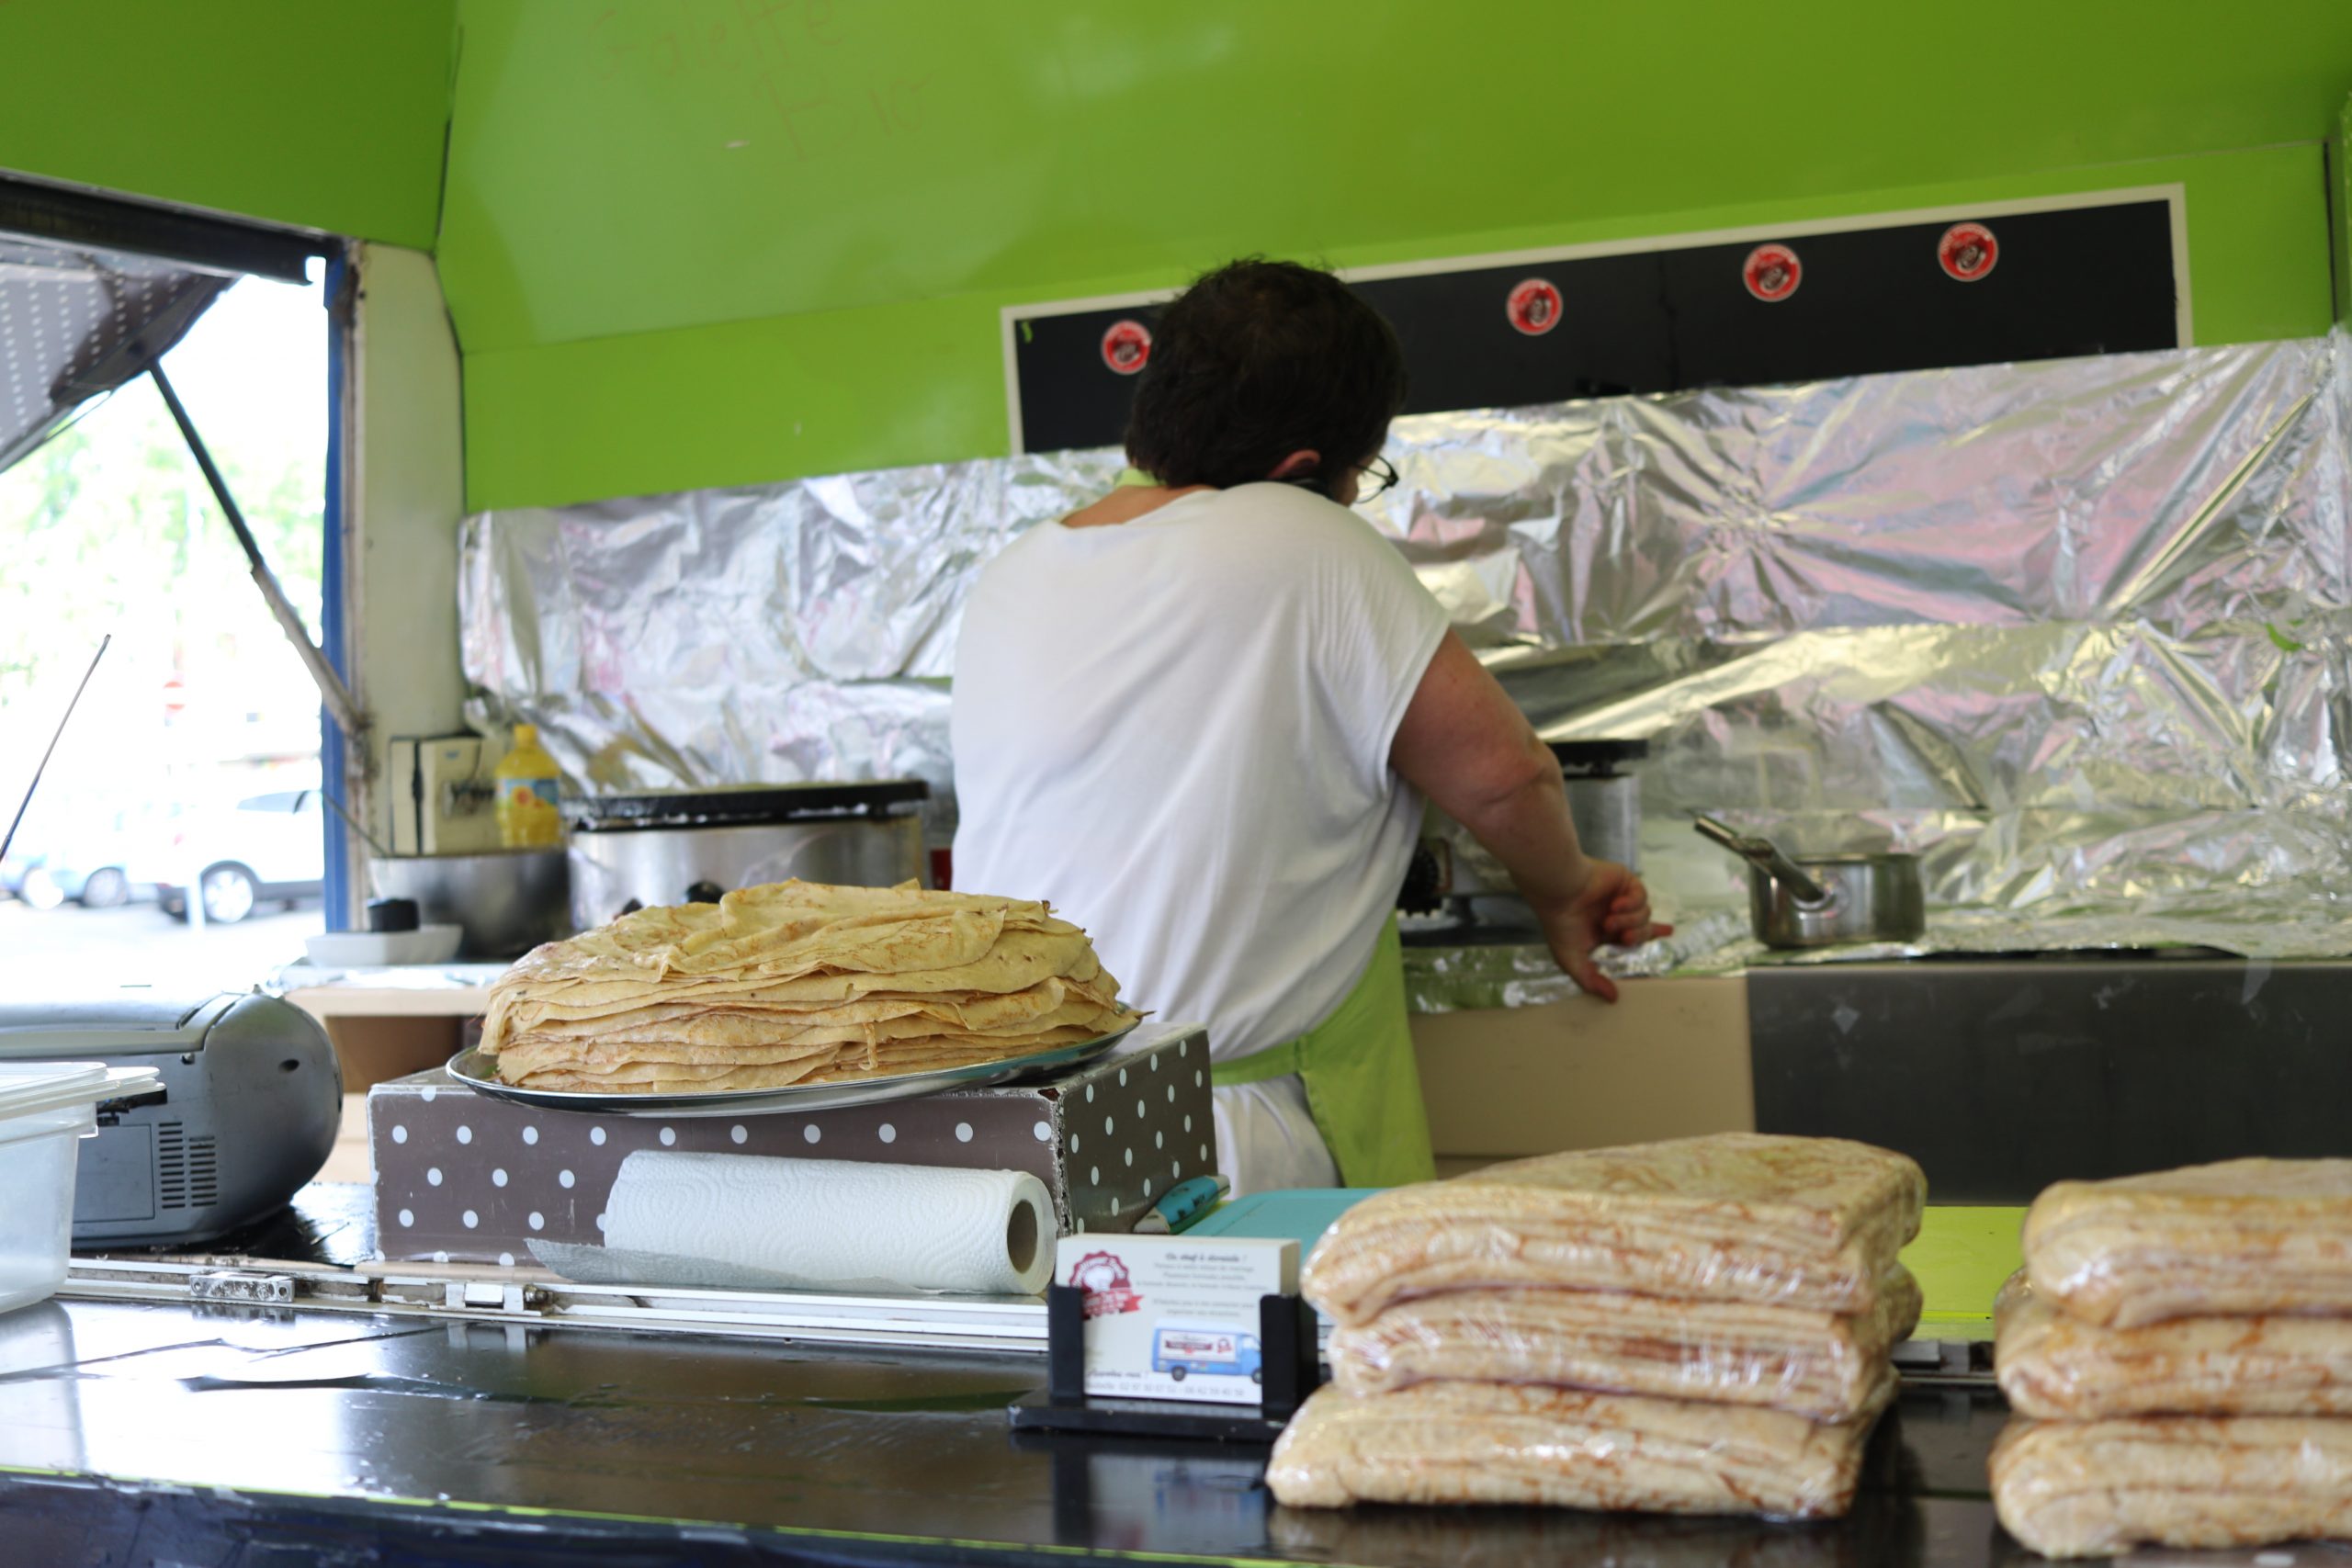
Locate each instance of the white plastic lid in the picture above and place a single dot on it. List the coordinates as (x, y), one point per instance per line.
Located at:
(28, 1087)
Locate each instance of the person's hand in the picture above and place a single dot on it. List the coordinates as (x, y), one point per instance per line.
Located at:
(1612, 908)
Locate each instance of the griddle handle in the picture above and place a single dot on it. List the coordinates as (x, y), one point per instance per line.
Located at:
(1767, 857)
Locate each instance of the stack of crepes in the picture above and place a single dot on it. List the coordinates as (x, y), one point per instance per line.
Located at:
(2179, 1354)
(1701, 1326)
(797, 983)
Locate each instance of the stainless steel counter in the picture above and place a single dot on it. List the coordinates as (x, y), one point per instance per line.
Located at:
(170, 1434)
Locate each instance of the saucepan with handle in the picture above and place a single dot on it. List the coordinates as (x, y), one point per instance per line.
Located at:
(1821, 900)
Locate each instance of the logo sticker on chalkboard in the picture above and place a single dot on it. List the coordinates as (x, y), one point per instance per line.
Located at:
(1533, 306)
(1772, 273)
(1126, 346)
(1968, 251)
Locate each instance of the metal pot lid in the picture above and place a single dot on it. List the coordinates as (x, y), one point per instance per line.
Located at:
(1599, 757)
(739, 805)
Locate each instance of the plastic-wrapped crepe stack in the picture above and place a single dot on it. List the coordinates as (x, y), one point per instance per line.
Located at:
(1700, 1327)
(2180, 1355)
(797, 983)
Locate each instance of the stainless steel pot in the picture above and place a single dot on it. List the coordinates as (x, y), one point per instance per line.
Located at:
(635, 851)
(1822, 900)
(508, 901)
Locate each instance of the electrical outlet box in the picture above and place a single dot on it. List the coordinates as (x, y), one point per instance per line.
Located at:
(443, 799)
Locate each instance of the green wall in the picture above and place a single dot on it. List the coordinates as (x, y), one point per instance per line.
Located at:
(697, 242)
(743, 402)
(2343, 161)
(690, 242)
(325, 114)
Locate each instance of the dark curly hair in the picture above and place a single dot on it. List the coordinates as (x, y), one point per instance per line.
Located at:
(1257, 360)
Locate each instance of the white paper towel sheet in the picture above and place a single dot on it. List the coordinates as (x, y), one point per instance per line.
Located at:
(743, 1222)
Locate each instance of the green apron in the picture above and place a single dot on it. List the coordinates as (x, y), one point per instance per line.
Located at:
(1362, 1088)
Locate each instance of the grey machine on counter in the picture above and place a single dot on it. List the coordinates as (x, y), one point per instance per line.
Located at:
(251, 1097)
(631, 851)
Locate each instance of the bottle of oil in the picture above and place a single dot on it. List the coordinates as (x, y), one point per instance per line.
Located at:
(528, 815)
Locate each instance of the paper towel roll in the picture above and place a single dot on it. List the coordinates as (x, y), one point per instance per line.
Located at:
(833, 1225)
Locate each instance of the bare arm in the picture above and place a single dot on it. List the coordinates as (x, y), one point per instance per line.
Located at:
(1465, 745)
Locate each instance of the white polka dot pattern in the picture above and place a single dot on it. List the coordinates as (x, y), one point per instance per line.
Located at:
(556, 1192)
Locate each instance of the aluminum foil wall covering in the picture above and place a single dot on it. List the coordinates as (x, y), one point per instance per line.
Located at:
(2081, 631)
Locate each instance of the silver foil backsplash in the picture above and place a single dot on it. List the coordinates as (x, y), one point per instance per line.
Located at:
(2079, 631)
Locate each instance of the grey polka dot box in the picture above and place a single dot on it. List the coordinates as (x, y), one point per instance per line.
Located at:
(462, 1178)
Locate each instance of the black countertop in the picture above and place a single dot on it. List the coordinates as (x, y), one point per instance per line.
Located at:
(140, 1433)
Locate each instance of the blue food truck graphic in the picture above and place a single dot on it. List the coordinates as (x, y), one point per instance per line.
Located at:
(1183, 1351)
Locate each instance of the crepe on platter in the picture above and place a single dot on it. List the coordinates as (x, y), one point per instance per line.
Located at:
(1810, 1222)
(2095, 1488)
(1475, 1442)
(2246, 1235)
(1820, 1365)
(797, 983)
(2057, 1366)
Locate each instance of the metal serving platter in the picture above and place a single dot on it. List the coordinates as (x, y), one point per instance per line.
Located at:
(477, 1072)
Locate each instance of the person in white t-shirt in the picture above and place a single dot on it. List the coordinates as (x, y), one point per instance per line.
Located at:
(1200, 717)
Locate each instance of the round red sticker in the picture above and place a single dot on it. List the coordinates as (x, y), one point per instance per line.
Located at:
(1968, 251)
(1127, 345)
(1533, 306)
(1772, 273)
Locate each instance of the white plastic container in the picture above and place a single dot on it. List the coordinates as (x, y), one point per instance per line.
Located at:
(46, 1109)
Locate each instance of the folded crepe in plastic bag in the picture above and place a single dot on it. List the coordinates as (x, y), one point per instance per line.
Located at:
(1811, 1222)
(2097, 1488)
(2244, 1237)
(1885, 1526)
(1475, 1442)
(1821, 1365)
(2057, 1366)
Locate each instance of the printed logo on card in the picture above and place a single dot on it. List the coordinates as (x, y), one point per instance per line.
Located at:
(1104, 1280)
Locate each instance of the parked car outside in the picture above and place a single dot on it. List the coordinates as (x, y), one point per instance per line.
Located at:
(82, 853)
(269, 848)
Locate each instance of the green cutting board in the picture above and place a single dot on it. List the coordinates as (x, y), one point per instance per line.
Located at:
(1960, 1257)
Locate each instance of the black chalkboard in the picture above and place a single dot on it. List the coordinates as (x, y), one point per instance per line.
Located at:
(2079, 281)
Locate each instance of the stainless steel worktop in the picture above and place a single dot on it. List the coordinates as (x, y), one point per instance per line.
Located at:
(185, 1429)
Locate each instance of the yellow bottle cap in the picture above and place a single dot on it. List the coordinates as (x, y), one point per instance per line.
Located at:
(527, 735)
